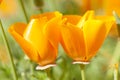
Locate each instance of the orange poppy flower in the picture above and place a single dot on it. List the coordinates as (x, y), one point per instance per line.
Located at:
(82, 37)
(39, 39)
(7, 7)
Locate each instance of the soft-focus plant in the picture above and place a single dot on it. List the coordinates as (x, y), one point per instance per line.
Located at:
(7, 8)
(115, 59)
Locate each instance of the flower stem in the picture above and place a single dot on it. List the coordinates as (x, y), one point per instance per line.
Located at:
(116, 72)
(23, 8)
(9, 51)
(82, 66)
(48, 72)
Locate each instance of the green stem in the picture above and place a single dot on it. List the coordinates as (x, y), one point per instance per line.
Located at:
(9, 51)
(115, 74)
(48, 72)
(23, 8)
(82, 66)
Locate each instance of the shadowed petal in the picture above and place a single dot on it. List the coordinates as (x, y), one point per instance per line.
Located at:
(73, 41)
(73, 19)
(52, 31)
(48, 15)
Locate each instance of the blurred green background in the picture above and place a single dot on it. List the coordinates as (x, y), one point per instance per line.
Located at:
(99, 67)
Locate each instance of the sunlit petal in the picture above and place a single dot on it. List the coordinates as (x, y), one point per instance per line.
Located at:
(94, 32)
(87, 16)
(109, 22)
(16, 31)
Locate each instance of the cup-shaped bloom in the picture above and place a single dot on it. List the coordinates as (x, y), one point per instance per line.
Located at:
(39, 39)
(82, 37)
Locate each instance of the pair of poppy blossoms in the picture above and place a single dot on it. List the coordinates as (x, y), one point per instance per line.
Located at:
(80, 36)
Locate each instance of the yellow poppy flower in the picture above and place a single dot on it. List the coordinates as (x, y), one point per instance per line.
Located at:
(39, 39)
(7, 7)
(82, 39)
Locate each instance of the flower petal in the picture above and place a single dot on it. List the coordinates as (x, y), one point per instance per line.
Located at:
(87, 16)
(94, 33)
(52, 31)
(73, 19)
(16, 31)
(34, 34)
(73, 41)
(48, 15)
(109, 21)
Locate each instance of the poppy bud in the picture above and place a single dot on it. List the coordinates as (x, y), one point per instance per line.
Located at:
(38, 4)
